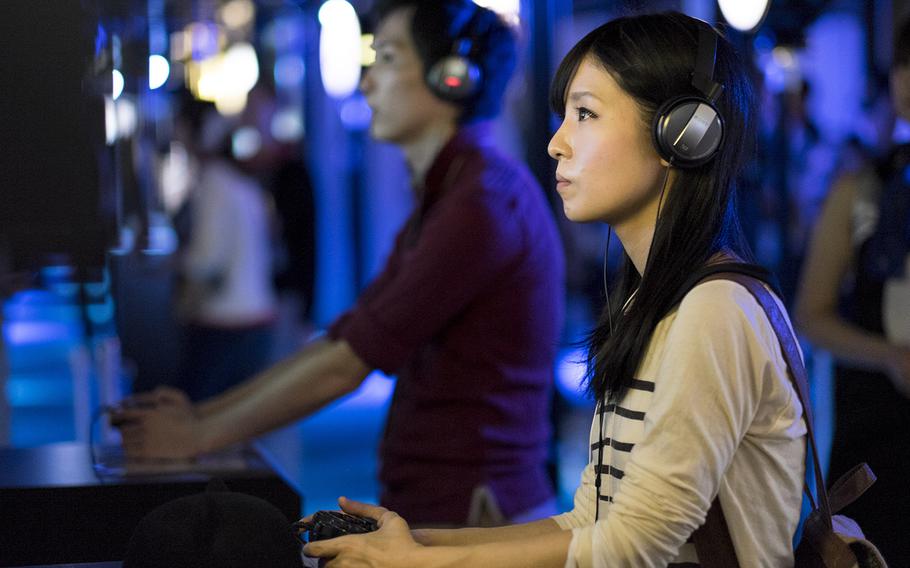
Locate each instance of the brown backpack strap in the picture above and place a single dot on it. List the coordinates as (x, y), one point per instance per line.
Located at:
(797, 375)
(713, 543)
(850, 486)
(714, 546)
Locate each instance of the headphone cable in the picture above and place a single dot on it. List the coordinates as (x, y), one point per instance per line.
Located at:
(603, 397)
(660, 202)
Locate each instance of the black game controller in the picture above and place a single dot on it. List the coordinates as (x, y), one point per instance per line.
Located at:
(329, 524)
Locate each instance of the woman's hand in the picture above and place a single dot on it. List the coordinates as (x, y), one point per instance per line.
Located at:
(159, 424)
(388, 547)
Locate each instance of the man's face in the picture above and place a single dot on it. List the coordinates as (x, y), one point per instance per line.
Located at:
(402, 104)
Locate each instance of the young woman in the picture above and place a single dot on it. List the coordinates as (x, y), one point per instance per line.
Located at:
(694, 399)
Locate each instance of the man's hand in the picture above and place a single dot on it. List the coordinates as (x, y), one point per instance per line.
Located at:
(389, 546)
(160, 424)
(162, 395)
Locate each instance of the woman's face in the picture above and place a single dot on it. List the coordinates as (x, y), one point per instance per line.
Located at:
(608, 169)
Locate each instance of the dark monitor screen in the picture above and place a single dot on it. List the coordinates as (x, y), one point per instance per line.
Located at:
(52, 138)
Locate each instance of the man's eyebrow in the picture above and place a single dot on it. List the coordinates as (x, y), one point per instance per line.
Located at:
(575, 96)
(386, 43)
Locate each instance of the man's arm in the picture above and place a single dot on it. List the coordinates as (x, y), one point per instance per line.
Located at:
(288, 391)
(234, 395)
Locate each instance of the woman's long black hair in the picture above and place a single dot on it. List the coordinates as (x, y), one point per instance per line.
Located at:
(652, 57)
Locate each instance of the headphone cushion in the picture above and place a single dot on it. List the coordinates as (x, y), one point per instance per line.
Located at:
(454, 78)
(687, 131)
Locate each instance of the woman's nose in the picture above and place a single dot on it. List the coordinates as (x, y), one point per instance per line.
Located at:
(558, 148)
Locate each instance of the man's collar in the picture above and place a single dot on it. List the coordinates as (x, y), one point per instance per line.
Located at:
(467, 136)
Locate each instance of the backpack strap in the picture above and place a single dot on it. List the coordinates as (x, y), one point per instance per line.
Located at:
(712, 540)
(850, 486)
(711, 549)
(747, 269)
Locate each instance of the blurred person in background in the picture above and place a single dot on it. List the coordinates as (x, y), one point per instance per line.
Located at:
(226, 299)
(854, 301)
(466, 312)
(279, 165)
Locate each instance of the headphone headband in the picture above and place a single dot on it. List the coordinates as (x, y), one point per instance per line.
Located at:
(703, 75)
(461, 24)
(688, 130)
(456, 77)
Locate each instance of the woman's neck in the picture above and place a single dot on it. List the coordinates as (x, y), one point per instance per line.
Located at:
(636, 240)
(636, 232)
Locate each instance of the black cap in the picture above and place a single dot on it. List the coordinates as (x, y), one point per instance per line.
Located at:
(214, 529)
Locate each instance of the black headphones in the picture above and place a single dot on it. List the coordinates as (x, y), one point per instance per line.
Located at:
(456, 76)
(688, 130)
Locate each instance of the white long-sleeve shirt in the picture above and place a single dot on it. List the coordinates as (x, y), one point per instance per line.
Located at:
(712, 412)
(230, 243)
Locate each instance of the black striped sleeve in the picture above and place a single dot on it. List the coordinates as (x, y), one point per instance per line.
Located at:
(624, 412)
(609, 469)
(615, 444)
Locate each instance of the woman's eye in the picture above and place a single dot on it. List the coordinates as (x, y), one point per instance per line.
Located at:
(584, 114)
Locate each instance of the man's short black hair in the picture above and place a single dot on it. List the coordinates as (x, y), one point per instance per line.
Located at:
(493, 50)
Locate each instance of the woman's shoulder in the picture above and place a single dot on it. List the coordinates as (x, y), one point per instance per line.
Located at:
(722, 317)
(714, 292)
(716, 304)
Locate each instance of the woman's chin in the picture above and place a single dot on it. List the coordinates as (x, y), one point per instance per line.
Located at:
(577, 216)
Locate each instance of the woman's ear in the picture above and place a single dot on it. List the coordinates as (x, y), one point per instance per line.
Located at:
(664, 163)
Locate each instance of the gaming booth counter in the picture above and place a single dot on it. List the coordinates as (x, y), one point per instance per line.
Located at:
(70, 505)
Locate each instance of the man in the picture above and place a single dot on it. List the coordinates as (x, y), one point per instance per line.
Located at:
(466, 312)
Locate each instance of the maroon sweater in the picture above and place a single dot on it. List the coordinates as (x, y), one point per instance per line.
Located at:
(467, 313)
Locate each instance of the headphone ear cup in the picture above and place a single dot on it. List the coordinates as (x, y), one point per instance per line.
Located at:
(687, 131)
(454, 78)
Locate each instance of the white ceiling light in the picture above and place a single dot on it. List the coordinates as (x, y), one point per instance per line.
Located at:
(509, 10)
(117, 84)
(159, 69)
(339, 48)
(744, 15)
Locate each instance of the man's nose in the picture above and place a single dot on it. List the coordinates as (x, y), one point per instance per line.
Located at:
(366, 81)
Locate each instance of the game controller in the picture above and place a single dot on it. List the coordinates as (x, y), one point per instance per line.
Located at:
(329, 524)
